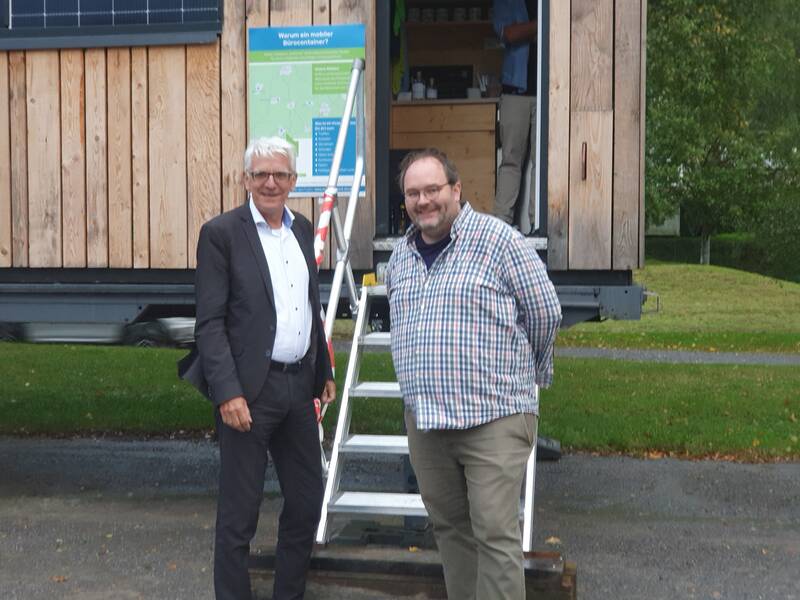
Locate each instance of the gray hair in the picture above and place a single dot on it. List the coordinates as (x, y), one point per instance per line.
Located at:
(270, 148)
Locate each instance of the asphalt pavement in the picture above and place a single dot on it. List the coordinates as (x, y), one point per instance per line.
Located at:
(104, 519)
(683, 356)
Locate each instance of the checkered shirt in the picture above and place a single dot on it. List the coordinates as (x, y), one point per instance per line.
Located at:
(472, 335)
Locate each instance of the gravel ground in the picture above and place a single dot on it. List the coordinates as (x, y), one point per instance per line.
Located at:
(94, 519)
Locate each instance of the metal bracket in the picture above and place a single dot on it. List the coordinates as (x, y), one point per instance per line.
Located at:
(593, 303)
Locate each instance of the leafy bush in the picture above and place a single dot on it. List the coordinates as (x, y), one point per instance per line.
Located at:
(775, 251)
(777, 235)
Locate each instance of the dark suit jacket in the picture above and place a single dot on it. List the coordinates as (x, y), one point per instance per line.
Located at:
(236, 320)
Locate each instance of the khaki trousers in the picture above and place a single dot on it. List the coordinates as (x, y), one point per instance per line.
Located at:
(517, 137)
(470, 482)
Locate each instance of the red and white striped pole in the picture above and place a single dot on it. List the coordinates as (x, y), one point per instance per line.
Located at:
(323, 226)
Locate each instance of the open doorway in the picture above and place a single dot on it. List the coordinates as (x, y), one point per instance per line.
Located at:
(440, 83)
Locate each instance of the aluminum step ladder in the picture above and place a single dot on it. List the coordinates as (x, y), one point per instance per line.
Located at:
(345, 444)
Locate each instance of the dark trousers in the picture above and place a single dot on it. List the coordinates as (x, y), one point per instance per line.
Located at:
(283, 423)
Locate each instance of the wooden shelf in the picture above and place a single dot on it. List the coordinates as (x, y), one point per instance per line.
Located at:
(464, 131)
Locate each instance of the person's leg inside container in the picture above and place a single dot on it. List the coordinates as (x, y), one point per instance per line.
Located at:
(515, 142)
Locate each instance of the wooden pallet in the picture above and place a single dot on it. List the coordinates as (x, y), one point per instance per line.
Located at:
(412, 572)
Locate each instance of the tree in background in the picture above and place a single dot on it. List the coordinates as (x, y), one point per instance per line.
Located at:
(723, 78)
(777, 225)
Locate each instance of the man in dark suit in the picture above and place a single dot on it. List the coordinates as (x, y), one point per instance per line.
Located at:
(262, 360)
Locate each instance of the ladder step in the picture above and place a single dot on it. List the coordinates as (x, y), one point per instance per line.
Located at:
(375, 444)
(378, 503)
(376, 389)
(377, 291)
(538, 243)
(377, 339)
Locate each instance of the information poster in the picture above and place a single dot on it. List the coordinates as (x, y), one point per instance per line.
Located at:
(298, 81)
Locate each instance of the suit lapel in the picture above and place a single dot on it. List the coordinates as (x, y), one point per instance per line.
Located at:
(258, 250)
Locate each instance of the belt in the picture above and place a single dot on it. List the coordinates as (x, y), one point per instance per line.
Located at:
(285, 367)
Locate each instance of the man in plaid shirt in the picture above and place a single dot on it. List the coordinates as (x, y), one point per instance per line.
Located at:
(474, 318)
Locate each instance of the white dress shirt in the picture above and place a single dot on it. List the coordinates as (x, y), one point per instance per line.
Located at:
(288, 272)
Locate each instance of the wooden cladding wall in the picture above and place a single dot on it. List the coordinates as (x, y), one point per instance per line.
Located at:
(596, 134)
(115, 157)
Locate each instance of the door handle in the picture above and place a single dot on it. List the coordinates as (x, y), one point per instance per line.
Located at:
(583, 161)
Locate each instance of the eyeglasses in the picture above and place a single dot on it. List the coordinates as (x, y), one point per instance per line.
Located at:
(263, 176)
(431, 192)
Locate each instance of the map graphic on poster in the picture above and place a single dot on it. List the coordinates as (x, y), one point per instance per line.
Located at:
(298, 81)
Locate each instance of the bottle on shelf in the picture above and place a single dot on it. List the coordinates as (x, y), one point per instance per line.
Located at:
(431, 93)
(402, 219)
(418, 87)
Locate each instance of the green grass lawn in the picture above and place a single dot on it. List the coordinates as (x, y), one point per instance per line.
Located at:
(704, 308)
(751, 411)
(747, 412)
(63, 389)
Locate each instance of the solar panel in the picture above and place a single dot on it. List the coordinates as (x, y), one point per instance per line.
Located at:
(80, 13)
(58, 18)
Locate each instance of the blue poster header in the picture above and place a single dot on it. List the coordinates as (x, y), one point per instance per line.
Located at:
(297, 38)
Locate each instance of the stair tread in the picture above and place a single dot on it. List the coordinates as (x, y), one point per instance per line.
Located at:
(376, 444)
(382, 339)
(389, 503)
(376, 389)
(376, 290)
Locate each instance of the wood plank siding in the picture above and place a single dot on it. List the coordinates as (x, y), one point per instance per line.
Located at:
(44, 159)
(96, 159)
(5, 167)
(558, 139)
(140, 174)
(203, 139)
(120, 193)
(591, 134)
(18, 137)
(167, 152)
(73, 158)
(627, 62)
(595, 178)
(114, 157)
(233, 100)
